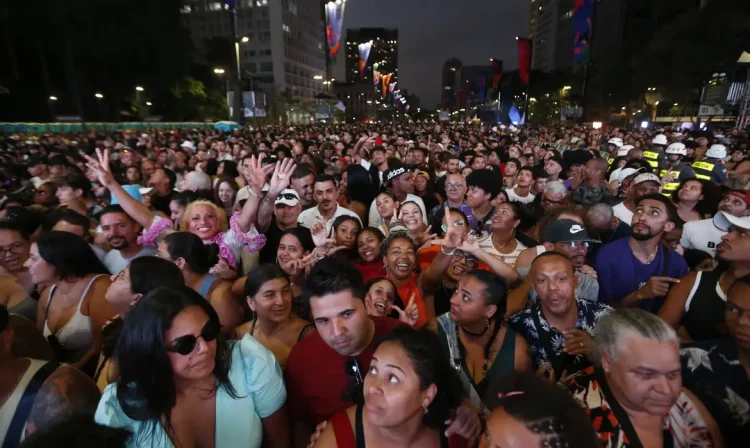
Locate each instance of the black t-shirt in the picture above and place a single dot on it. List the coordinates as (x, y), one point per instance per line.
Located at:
(273, 238)
(161, 203)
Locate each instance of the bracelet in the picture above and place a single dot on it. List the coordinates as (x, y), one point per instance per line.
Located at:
(250, 190)
(442, 249)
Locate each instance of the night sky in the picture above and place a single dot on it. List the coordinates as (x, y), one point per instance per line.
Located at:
(432, 31)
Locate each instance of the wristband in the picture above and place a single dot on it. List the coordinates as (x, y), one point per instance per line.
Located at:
(442, 249)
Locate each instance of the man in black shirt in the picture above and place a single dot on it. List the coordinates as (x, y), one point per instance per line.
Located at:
(163, 181)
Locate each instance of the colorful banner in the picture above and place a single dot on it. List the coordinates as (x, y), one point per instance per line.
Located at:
(482, 85)
(497, 72)
(524, 60)
(364, 55)
(334, 20)
(391, 87)
(583, 19)
(386, 81)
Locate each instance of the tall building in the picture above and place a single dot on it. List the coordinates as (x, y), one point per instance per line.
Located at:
(281, 40)
(384, 52)
(450, 98)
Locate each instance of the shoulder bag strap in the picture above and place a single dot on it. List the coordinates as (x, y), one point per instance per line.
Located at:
(622, 417)
(360, 428)
(18, 423)
(342, 429)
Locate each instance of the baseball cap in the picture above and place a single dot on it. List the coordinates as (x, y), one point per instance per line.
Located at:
(646, 177)
(188, 144)
(744, 195)
(724, 221)
(145, 190)
(287, 197)
(133, 190)
(423, 173)
(627, 172)
(624, 150)
(566, 230)
(395, 171)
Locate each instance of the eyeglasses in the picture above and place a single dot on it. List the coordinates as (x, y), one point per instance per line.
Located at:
(121, 275)
(352, 370)
(454, 186)
(551, 202)
(470, 260)
(15, 248)
(456, 223)
(577, 244)
(287, 196)
(184, 345)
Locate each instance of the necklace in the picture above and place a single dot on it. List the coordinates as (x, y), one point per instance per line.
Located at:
(650, 258)
(476, 335)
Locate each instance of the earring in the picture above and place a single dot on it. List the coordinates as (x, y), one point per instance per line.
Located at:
(487, 321)
(425, 409)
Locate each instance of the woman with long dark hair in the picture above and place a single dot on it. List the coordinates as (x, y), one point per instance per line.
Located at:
(359, 191)
(696, 199)
(195, 260)
(72, 309)
(225, 193)
(269, 294)
(179, 203)
(182, 385)
(141, 276)
(369, 263)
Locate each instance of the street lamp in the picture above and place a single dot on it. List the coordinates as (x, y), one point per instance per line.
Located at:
(317, 77)
(219, 71)
(99, 95)
(53, 98)
(567, 88)
(139, 88)
(245, 39)
(676, 104)
(148, 103)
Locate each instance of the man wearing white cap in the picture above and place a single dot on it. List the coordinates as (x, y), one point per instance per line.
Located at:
(643, 184)
(188, 146)
(706, 234)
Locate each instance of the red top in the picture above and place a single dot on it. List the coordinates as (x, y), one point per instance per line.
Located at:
(316, 379)
(405, 290)
(370, 271)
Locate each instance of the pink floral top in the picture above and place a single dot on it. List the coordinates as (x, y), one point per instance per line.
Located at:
(231, 243)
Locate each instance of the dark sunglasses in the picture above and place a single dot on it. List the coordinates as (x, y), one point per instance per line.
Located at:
(287, 196)
(184, 345)
(353, 371)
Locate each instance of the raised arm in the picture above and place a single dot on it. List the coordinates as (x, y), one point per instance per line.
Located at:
(497, 266)
(249, 212)
(279, 182)
(430, 279)
(132, 207)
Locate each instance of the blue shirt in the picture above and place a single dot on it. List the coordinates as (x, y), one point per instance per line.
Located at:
(257, 380)
(620, 272)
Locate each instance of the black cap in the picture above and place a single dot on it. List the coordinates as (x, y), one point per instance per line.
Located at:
(396, 170)
(565, 231)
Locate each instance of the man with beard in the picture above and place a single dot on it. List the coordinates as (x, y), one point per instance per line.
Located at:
(639, 271)
(698, 302)
(643, 184)
(302, 182)
(705, 234)
(121, 232)
(327, 210)
(560, 327)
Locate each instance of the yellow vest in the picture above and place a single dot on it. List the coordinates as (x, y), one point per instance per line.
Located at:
(702, 167)
(652, 158)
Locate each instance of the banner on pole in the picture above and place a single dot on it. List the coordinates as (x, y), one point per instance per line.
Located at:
(334, 21)
(364, 55)
(583, 19)
(497, 72)
(524, 59)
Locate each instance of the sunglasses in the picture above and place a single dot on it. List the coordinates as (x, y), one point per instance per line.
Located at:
(184, 345)
(287, 196)
(352, 370)
(470, 260)
(456, 223)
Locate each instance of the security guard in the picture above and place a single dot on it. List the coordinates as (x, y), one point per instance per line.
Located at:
(655, 156)
(675, 170)
(712, 166)
(613, 147)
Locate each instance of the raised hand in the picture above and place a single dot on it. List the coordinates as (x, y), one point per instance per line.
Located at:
(255, 173)
(100, 166)
(282, 176)
(470, 245)
(320, 237)
(452, 238)
(424, 237)
(410, 314)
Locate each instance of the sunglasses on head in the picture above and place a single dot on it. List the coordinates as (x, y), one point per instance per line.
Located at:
(184, 345)
(287, 196)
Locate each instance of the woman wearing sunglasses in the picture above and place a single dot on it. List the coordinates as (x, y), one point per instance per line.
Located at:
(410, 391)
(182, 385)
(141, 276)
(195, 260)
(269, 295)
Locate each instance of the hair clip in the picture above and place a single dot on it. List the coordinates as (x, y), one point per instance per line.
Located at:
(510, 394)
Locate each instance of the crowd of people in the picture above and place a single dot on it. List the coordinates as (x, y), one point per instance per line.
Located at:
(403, 285)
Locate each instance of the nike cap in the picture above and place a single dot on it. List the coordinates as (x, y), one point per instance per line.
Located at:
(565, 231)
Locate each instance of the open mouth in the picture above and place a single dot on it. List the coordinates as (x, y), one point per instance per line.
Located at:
(403, 266)
(458, 269)
(204, 229)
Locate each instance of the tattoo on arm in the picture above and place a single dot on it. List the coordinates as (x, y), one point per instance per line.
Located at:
(66, 394)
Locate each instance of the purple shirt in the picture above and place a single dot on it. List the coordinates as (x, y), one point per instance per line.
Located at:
(620, 273)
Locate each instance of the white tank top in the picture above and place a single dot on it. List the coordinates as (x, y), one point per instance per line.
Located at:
(9, 408)
(75, 336)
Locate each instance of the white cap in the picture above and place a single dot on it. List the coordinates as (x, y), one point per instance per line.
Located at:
(575, 140)
(724, 221)
(624, 150)
(512, 128)
(287, 197)
(617, 141)
(627, 172)
(660, 139)
(188, 144)
(717, 151)
(677, 148)
(677, 134)
(646, 177)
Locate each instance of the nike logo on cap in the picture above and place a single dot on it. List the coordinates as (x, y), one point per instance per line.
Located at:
(576, 228)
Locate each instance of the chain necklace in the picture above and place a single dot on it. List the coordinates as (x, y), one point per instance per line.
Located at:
(650, 258)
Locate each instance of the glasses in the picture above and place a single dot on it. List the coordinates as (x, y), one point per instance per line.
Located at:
(353, 371)
(551, 202)
(577, 244)
(121, 275)
(184, 345)
(15, 249)
(454, 186)
(456, 223)
(470, 260)
(287, 196)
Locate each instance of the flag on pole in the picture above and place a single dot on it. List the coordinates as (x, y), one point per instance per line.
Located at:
(524, 59)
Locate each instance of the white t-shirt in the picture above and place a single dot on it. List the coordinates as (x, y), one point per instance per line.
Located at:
(702, 235)
(513, 197)
(308, 217)
(623, 214)
(115, 262)
(374, 217)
